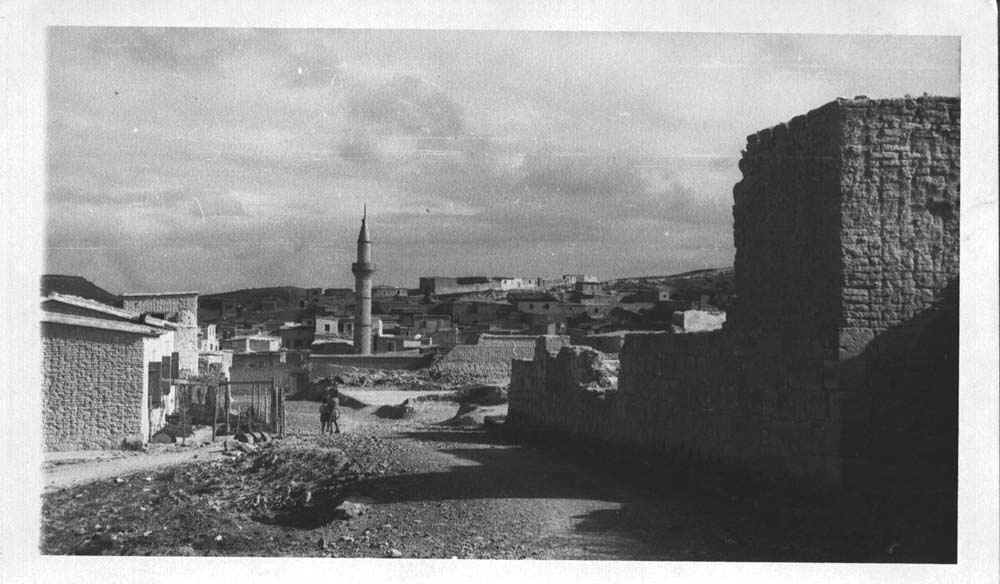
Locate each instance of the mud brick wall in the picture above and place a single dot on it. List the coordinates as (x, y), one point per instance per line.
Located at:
(839, 361)
(93, 394)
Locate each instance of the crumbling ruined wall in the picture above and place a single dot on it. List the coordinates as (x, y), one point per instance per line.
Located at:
(567, 388)
(669, 392)
(488, 362)
(93, 395)
(839, 359)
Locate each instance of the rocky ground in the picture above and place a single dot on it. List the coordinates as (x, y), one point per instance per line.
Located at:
(427, 486)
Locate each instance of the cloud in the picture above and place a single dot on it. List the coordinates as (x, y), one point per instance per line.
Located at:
(358, 147)
(226, 205)
(167, 48)
(608, 176)
(304, 70)
(407, 105)
(254, 150)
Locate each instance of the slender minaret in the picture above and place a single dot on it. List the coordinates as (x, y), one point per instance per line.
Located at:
(363, 270)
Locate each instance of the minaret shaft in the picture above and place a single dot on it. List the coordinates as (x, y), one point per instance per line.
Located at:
(363, 270)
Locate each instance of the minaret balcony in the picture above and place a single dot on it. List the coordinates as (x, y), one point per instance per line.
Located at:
(362, 268)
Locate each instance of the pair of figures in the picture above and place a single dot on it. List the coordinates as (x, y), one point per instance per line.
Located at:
(329, 410)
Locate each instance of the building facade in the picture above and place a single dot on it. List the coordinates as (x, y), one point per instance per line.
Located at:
(177, 307)
(102, 374)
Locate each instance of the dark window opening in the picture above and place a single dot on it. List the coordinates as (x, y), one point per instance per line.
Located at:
(155, 392)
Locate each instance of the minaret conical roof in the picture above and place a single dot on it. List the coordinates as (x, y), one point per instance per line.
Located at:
(363, 234)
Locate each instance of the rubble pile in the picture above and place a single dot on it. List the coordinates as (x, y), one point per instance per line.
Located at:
(396, 412)
(354, 377)
(298, 484)
(481, 394)
(207, 507)
(470, 415)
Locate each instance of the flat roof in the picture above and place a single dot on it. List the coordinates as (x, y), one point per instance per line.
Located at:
(101, 323)
(135, 294)
(90, 304)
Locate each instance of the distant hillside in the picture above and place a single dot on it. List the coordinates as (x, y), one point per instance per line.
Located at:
(689, 287)
(77, 286)
(252, 295)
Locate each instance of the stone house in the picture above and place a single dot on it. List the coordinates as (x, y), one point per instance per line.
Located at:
(482, 312)
(334, 327)
(177, 307)
(208, 339)
(535, 303)
(103, 375)
(690, 321)
(572, 279)
(332, 347)
(251, 344)
(427, 324)
(389, 292)
(438, 286)
(296, 335)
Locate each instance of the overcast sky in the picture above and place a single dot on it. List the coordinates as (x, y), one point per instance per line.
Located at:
(211, 159)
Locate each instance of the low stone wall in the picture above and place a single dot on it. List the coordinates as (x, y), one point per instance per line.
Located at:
(288, 369)
(674, 393)
(325, 365)
(293, 370)
(483, 362)
(713, 398)
(572, 392)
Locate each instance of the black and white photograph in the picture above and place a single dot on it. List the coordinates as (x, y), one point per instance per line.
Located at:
(625, 295)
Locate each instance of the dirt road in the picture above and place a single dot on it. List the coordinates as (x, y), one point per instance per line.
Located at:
(432, 491)
(62, 475)
(451, 492)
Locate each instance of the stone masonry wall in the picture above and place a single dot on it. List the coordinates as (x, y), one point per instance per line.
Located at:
(784, 325)
(900, 209)
(93, 393)
(330, 365)
(485, 363)
(839, 361)
(570, 390)
(289, 370)
(897, 362)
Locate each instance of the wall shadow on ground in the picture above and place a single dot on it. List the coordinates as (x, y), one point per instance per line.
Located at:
(455, 436)
(664, 512)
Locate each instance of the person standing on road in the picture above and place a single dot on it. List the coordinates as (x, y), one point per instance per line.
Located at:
(333, 401)
(324, 414)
